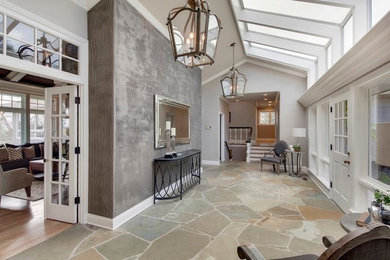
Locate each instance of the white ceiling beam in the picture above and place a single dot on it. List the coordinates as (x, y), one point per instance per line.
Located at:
(15, 76)
(361, 16)
(291, 45)
(293, 24)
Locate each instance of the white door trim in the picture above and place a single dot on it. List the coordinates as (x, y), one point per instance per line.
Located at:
(81, 80)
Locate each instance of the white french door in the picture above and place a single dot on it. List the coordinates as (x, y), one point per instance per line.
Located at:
(60, 155)
(341, 187)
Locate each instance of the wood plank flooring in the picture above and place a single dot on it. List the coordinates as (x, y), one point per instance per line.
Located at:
(22, 225)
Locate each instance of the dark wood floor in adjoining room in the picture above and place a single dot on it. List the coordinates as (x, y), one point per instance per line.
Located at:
(22, 225)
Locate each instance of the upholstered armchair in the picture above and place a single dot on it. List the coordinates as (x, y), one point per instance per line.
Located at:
(276, 156)
(14, 180)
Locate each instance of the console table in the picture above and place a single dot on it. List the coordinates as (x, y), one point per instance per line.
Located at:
(172, 177)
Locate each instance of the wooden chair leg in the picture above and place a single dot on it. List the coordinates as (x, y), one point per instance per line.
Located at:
(273, 166)
(278, 167)
(28, 191)
(285, 167)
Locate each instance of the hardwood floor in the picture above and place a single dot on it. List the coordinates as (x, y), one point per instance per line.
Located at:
(22, 225)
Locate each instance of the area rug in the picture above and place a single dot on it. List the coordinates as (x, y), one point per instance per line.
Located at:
(37, 192)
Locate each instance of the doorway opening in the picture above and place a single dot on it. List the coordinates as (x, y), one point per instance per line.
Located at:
(253, 119)
(38, 136)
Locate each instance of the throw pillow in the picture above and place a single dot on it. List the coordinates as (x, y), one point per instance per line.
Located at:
(15, 153)
(3, 154)
(42, 147)
(29, 152)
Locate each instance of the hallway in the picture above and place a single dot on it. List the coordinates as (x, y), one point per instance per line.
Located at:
(235, 204)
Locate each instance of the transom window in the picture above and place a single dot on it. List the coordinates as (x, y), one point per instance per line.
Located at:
(22, 41)
(279, 50)
(267, 118)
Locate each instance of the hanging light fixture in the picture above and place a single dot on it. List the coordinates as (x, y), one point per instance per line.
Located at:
(233, 83)
(194, 33)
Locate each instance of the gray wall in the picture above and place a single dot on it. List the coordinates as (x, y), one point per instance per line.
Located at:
(260, 79)
(142, 67)
(65, 14)
(244, 114)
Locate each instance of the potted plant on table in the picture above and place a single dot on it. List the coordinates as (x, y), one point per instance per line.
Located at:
(383, 201)
(297, 147)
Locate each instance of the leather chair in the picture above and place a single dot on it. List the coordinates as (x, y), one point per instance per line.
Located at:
(369, 243)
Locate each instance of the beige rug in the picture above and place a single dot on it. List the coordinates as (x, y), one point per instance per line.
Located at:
(37, 192)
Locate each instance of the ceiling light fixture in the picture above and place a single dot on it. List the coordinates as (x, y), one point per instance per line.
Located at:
(194, 33)
(233, 83)
(265, 99)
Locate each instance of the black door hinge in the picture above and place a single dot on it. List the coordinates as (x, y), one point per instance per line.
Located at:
(331, 109)
(331, 147)
(77, 150)
(331, 184)
(77, 100)
(77, 200)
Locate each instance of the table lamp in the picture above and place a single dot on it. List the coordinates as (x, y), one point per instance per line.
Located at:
(299, 133)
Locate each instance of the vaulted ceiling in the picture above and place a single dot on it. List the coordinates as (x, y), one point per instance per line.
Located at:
(303, 36)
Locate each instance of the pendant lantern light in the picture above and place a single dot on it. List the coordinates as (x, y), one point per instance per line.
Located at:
(194, 33)
(233, 83)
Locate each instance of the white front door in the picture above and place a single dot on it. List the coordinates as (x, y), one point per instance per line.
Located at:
(341, 181)
(60, 155)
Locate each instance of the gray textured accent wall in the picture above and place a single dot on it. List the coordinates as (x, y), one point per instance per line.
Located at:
(101, 109)
(142, 67)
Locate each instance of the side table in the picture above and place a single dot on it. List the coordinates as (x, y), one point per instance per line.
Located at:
(294, 157)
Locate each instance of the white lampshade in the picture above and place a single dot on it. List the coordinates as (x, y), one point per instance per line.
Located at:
(299, 132)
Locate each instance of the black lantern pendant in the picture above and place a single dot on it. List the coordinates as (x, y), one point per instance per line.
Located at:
(194, 33)
(233, 83)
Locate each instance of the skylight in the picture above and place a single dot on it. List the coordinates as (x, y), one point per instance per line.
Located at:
(288, 34)
(279, 50)
(305, 10)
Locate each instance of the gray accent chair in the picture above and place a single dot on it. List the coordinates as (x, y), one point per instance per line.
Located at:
(277, 156)
(14, 180)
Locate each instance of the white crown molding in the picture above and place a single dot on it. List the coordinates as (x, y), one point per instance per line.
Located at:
(86, 4)
(149, 17)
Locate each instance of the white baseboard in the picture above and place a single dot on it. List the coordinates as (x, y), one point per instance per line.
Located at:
(132, 212)
(114, 223)
(99, 221)
(318, 183)
(210, 162)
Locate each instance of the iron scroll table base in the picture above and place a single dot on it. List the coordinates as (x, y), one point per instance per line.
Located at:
(172, 177)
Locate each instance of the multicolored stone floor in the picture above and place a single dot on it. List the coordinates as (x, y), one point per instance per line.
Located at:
(235, 204)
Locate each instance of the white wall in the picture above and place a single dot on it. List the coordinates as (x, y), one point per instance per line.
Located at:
(224, 109)
(260, 79)
(63, 13)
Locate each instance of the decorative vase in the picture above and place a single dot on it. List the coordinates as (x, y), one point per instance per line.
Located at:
(375, 211)
(385, 216)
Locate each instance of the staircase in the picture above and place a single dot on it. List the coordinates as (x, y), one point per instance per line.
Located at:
(256, 152)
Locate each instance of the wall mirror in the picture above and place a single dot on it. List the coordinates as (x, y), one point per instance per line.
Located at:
(178, 114)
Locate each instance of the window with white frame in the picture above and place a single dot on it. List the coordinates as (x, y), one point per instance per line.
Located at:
(380, 135)
(25, 42)
(379, 8)
(37, 119)
(348, 35)
(12, 113)
(267, 118)
(15, 118)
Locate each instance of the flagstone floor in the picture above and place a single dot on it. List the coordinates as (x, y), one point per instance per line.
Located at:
(235, 204)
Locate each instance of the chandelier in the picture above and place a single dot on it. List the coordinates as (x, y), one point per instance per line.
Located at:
(233, 83)
(194, 33)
